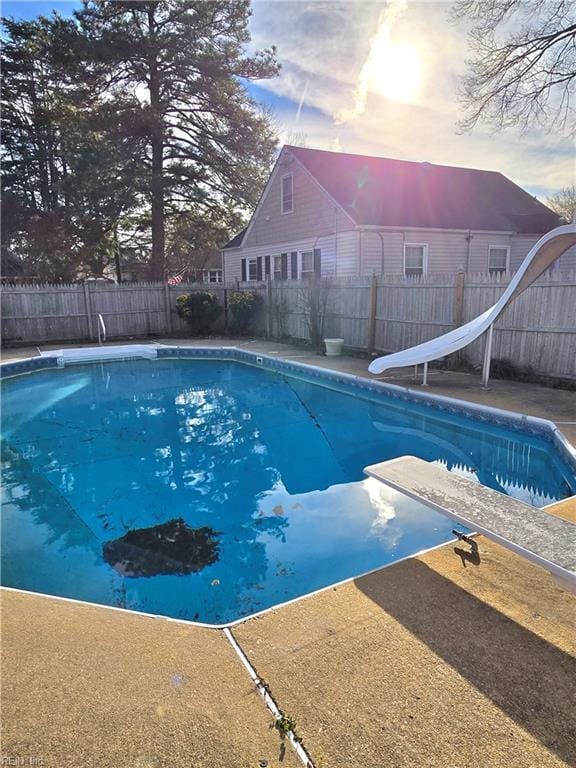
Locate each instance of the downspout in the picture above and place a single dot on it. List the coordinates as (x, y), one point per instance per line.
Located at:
(380, 235)
(383, 246)
(336, 241)
(469, 239)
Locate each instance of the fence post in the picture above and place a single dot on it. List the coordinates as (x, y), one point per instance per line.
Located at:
(458, 312)
(372, 314)
(225, 300)
(88, 306)
(168, 309)
(269, 307)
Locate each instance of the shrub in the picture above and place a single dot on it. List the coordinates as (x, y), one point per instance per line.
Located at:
(313, 301)
(200, 310)
(244, 306)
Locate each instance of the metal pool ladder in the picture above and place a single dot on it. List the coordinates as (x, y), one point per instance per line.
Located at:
(101, 329)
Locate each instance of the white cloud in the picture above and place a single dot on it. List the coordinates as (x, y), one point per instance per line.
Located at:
(370, 69)
(328, 74)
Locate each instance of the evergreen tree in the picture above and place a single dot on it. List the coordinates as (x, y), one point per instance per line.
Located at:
(69, 170)
(209, 144)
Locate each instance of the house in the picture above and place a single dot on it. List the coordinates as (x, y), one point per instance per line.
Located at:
(211, 271)
(331, 213)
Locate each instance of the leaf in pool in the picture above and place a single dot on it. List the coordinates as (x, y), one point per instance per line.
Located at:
(172, 548)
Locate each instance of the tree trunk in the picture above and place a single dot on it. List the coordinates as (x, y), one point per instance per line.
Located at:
(157, 262)
(157, 265)
(117, 265)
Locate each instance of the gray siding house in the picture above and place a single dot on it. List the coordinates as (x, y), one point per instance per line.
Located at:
(331, 213)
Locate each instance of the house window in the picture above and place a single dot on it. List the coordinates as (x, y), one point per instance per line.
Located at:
(252, 269)
(277, 271)
(287, 193)
(498, 259)
(212, 275)
(415, 259)
(306, 265)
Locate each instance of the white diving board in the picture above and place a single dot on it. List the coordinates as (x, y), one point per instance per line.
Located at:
(543, 538)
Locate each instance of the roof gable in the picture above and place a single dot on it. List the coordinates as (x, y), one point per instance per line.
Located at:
(397, 193)
(236, 241)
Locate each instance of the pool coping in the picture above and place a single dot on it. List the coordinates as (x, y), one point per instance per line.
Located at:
(520, 422)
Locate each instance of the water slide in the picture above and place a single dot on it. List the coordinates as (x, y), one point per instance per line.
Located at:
(540, 257)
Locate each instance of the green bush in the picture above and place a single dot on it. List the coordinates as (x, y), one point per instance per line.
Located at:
(200, 310)
(244, 306)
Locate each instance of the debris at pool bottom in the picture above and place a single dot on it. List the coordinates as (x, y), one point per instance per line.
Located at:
(172, 548)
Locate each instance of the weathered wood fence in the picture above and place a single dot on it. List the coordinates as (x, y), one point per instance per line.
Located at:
(373, 314)
(41, 313)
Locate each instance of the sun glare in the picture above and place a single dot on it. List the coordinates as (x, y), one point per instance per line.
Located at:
(395, 72)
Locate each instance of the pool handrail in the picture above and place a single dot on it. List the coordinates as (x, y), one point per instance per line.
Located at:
(101, 328)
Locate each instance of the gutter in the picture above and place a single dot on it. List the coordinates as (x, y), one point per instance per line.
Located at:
(399, 229)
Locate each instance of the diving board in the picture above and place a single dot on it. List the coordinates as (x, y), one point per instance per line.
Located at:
(542, 538)
(540, 258)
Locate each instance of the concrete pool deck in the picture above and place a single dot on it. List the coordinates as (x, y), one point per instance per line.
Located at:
(440, 660)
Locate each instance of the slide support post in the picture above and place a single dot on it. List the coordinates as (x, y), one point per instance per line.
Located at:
(487, 358)
(425, 375)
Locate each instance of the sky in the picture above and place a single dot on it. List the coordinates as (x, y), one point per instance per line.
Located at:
(380, 79)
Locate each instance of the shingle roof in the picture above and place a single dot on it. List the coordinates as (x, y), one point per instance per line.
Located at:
(236, 241)
(398, 193)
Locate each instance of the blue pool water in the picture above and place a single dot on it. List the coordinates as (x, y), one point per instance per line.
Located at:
(269, 465)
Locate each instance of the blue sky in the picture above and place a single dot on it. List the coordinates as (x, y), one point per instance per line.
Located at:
(379, 78)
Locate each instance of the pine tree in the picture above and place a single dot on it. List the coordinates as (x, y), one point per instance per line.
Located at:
(209, 145)
(69, 170)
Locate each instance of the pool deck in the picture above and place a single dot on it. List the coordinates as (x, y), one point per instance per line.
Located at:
(444, 660)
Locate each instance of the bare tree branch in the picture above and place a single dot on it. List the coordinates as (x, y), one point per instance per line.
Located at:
(522, 70)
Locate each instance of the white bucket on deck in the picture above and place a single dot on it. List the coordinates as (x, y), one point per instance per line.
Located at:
(333, 347)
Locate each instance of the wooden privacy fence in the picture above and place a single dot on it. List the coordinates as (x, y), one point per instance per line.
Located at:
(390, 313)
(41, 313)
(378, 314)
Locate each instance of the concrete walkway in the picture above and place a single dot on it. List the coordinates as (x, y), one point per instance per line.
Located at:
(431, 662)
(91, 687)
(442, 660)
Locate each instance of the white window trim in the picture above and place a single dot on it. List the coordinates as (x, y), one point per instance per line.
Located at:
(424, 258)
(272, 266)
(248, 278)
(300, 259)
(500, 248)
(286, 176)
(207, 273)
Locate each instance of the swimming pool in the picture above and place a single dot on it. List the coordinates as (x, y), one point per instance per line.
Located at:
(209, 489)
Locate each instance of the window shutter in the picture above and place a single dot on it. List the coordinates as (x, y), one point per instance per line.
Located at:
(243, 270)
(266, 267)
(294, 265)
(284, 258)
(259, 268)
(317, 262)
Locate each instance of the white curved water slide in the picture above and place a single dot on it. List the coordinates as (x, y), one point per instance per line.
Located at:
(540, 257)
